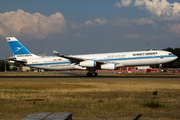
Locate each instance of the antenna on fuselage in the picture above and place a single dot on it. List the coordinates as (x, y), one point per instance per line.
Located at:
(149, 47)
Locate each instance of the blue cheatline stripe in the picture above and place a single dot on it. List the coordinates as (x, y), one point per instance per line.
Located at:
(48, 63)
(134, 58)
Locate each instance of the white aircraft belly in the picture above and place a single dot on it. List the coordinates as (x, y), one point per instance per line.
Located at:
(55, 67)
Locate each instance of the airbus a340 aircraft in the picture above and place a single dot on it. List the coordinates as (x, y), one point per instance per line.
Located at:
(91, 62)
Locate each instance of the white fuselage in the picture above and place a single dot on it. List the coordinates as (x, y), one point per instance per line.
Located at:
(138, 58)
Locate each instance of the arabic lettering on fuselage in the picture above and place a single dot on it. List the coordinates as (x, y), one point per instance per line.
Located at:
(60, 65)
(142, 54)
(116, 56)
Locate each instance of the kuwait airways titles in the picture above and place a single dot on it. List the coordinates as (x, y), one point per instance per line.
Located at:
(143, 54)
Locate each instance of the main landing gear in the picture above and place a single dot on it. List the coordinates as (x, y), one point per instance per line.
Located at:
(91, 73)
(94, 74)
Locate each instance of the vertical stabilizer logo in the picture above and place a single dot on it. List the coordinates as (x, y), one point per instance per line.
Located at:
(18, 48)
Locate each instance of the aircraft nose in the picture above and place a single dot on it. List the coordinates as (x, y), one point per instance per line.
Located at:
(175, 57)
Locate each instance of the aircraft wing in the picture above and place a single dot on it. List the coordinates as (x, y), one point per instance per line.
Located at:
(75, 59)
(72, 59)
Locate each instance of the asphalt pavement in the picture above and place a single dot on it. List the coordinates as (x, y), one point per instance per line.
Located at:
(83, 76)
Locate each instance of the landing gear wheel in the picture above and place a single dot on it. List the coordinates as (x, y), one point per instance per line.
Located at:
(91, 74)
(88, 74)
(95, 74)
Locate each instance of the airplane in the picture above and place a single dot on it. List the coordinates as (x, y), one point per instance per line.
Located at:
(90, 62)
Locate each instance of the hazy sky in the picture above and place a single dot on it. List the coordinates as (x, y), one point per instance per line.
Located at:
(89, 26)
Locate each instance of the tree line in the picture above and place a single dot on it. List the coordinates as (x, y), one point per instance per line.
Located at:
(2, 66)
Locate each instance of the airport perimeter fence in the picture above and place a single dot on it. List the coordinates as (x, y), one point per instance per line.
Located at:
(104, 117)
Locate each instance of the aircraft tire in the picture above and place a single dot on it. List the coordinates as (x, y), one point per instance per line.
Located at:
(87, 74)
(95, 74)
(91, 74)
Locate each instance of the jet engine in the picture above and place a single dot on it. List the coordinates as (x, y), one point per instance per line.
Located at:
(88, 63)
(109, 66)
(79, 67)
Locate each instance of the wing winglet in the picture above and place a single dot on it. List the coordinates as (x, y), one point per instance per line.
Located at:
(56, 53)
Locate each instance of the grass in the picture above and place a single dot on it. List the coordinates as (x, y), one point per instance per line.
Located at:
(51, 73)
(155, 92)
(41, 86)
(152, 104)
(91, 98)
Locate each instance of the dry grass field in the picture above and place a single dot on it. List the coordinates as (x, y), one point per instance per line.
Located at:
(32, 74)
(91, 98)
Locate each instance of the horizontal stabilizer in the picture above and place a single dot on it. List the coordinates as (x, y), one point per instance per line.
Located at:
(23, 62)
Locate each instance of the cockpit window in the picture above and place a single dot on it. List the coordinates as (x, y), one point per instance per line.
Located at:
(170, 54)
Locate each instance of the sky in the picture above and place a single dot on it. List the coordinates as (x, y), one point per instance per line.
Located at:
(89, 26)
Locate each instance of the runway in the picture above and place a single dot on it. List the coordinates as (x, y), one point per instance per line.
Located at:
(97, 77)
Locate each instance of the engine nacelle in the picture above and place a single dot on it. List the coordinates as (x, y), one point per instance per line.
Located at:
(79, 67)
(88, 63)
(109, 66)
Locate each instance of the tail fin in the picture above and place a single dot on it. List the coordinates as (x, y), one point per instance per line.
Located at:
(17, 47)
